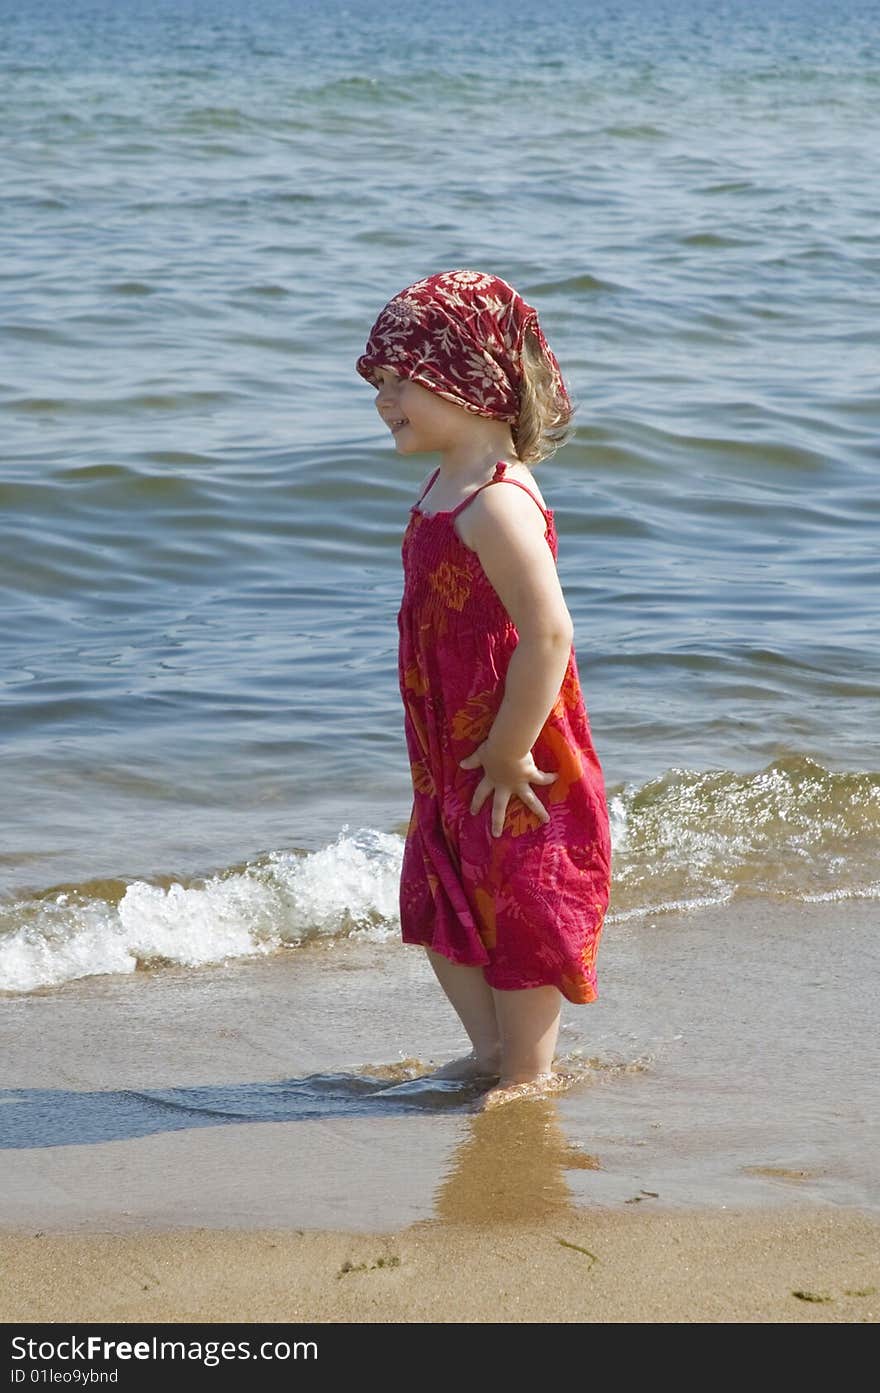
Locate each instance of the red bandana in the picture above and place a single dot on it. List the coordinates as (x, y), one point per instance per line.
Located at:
(460, 334)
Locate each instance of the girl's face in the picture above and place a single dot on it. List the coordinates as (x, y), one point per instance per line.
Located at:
(419, 420)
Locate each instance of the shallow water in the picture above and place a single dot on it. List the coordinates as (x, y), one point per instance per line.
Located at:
(730, 1060)
(201, 517)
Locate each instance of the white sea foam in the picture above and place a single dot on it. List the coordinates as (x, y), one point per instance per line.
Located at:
(620, 916)
(683, 841)
(349, 887)
(617, 822)
(845, 892)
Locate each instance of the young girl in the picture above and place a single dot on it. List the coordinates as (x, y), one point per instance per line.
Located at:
(506, 868)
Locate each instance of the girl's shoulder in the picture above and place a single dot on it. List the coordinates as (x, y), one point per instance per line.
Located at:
(496, 500)
(521, 474)
(512, 506)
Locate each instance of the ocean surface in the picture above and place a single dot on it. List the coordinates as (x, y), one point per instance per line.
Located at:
(203, 206)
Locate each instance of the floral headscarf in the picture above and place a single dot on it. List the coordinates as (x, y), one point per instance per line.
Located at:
(460, 334)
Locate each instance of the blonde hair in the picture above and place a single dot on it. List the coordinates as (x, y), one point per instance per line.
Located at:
(543, 422)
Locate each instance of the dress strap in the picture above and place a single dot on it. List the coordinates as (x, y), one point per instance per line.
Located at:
(429, 485)
(499, 478)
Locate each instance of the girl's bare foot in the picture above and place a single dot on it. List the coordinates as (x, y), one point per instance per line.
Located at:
(470, 1066)
(509, 1090)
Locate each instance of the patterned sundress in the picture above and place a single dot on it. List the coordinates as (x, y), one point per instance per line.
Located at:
(527, 906)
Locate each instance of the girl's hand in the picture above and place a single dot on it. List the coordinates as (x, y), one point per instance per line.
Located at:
(506, 777)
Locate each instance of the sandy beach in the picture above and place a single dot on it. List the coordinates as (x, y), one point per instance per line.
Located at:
(590, 1267)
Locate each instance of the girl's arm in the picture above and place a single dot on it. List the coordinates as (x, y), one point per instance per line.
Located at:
(506, 530)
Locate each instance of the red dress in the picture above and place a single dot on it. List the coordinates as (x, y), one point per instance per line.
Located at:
(527, 906)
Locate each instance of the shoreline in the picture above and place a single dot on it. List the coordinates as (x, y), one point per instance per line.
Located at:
(257, 1142)
(591, 1267)
(286, 1091)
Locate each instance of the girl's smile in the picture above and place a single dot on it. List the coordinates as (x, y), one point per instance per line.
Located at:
(412, 412)
(422, 422)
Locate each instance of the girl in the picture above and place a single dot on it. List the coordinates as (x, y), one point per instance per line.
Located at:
(506, 868)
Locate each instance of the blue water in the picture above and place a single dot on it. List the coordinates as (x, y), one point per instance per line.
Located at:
(202, 208)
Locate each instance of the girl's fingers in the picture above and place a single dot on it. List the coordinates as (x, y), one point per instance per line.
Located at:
(481, 793)
(503, 796)
(533, 802)
(499, 812)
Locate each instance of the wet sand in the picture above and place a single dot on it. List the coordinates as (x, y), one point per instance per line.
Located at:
(259, 1141)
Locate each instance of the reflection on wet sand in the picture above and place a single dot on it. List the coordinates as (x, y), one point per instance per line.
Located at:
(511, 1167)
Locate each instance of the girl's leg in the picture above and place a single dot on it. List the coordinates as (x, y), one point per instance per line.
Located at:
(528, 1023)
(474, 1003)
